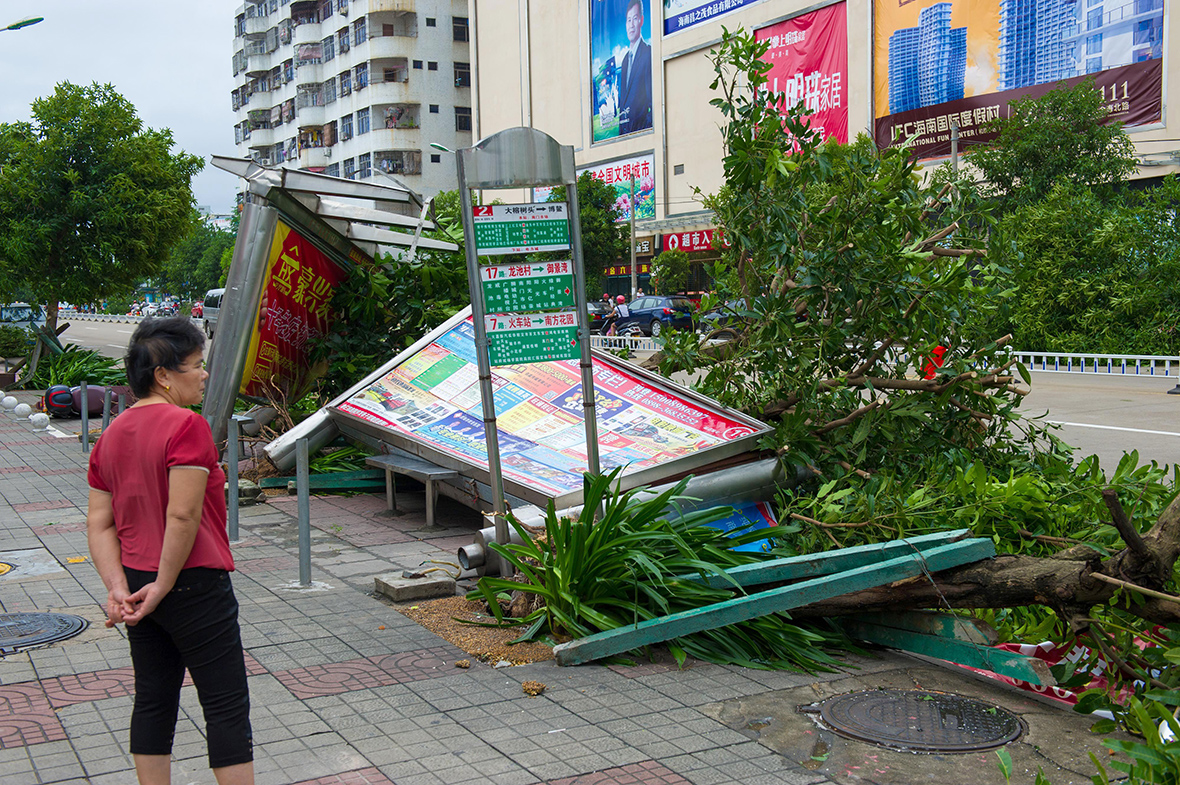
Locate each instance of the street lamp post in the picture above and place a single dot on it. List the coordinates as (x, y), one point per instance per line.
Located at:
(25, 23)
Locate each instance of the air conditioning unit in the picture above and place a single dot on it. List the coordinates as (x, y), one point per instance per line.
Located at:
(344, 10)
(264, 161)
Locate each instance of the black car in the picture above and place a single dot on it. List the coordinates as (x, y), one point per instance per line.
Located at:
(725, 321)
(651, 314)
(599, 310)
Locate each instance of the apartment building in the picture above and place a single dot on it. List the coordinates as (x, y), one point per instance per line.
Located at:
(354, 88)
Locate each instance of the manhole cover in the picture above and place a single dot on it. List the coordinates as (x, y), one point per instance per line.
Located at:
(24, 630)
(918, 720)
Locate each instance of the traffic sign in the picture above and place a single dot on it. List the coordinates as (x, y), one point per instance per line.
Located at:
(533, 338)
(520, 228)
(539, 286)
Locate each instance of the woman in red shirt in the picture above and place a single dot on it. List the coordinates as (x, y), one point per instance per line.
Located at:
(157, 533)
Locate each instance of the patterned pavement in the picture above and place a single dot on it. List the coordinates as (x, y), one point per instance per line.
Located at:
(344, 689)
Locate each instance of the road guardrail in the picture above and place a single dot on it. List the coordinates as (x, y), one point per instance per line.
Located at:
(1109, 364)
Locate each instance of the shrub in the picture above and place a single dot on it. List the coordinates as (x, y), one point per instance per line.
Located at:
(14, 341)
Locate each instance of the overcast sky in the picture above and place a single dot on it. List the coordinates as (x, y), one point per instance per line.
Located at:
(170, 58)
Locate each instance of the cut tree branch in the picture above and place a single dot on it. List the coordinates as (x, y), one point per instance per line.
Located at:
(1128, 531)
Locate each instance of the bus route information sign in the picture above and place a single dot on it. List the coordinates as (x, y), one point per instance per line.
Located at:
(535, 338)
(520, 228)
(540, 286)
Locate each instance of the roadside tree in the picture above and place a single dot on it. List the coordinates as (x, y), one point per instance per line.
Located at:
(604, 241)
(91, 201)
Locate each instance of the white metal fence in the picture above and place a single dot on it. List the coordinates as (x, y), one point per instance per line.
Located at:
(635, 343)
(1112, 364)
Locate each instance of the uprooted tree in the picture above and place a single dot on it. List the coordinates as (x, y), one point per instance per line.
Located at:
(866, 299)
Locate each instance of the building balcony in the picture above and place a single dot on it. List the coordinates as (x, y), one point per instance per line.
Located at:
(396, 138)
(388, 93)
(258, 24)
(397, 6)
(315, 157)
(387, 46)
(307, 33)
(262, 137)
(310, 115)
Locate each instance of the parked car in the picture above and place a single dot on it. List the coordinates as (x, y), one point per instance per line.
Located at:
(726, 321)
(598, 312)
(652, 314)
(211, 309)
(22, 314)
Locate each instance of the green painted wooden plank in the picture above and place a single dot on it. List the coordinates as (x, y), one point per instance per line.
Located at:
(813, 565)
(325, 482)
(945, 625)
(782, 598)
(362, 474)
(1005, 663)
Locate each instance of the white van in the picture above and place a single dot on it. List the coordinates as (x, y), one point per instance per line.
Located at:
(211, 308)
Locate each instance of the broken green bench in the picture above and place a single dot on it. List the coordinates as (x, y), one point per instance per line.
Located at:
(822, 576)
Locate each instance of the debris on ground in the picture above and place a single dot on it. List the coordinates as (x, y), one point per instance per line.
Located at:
(446, 618)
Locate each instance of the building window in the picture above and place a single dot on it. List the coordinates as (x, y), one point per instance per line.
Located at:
(1094, 44)
(418, 64)
(342, 5)
(432, 66)
(462, 118)
(1144, 32)
(342, 39)
(346, 128)
(462, 74)
(1093, 65)
(333, 170)
(345, 83)
(364, 170)
(430, 21)
(1094, 20)
(435, 158)
(329, 46)
(362, 76)
(325, 9)
(362, 121)
(434, 108)
(349, 168)
(359, 31)
(459, 28)
(678, 169)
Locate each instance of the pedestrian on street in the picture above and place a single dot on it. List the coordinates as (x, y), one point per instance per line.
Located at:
(156, 527)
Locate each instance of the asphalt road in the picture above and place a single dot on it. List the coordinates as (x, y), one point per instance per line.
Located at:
(1109, 416)
(108, 338)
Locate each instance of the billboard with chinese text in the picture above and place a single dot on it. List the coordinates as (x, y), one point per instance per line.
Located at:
(682, 14)
(618, 175)
(431, 400)
(620, 68)
(296, 295)
(938, 65)
(808, 59)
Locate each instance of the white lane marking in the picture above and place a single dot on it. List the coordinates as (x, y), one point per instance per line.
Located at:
(89, 328)
(124, 331)
(117, 345)
(1111, 428)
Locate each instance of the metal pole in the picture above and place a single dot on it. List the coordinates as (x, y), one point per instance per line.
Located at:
(231, 462)
(955, 148)
(85, 416)
(122, 403)
(106, 409)
(589, 412)
(634, 271)
(304, 501)
(486, 393)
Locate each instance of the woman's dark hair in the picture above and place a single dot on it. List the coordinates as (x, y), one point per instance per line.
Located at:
(159, 343)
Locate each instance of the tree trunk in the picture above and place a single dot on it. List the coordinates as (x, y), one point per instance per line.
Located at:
(51, 310)
(1063, 582)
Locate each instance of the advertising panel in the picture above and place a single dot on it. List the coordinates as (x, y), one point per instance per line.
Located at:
(960, 62)
(808, 59)
(682, 14)
(700, 240)
(296, 295)
(432, 398)
(620, 68)
(618, 174)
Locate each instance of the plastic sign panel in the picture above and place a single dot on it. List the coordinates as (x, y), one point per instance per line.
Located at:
(538, 286)
(430, 404)
(532, 338)
(808, 59)
(682, 14)
(958, 63)
(520, 228)
(296, 293)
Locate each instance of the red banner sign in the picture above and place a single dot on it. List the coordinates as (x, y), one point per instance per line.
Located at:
(808, 59)
(703, 240)
(295, 306)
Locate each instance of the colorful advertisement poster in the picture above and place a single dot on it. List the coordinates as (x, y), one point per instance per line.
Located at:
(682, 14)
(620, 67)
(296, 295)
(618, 175)
(808, 59)
(430, 398)
(960, 62)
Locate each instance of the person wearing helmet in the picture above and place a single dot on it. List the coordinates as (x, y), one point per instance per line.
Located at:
(620, 311)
